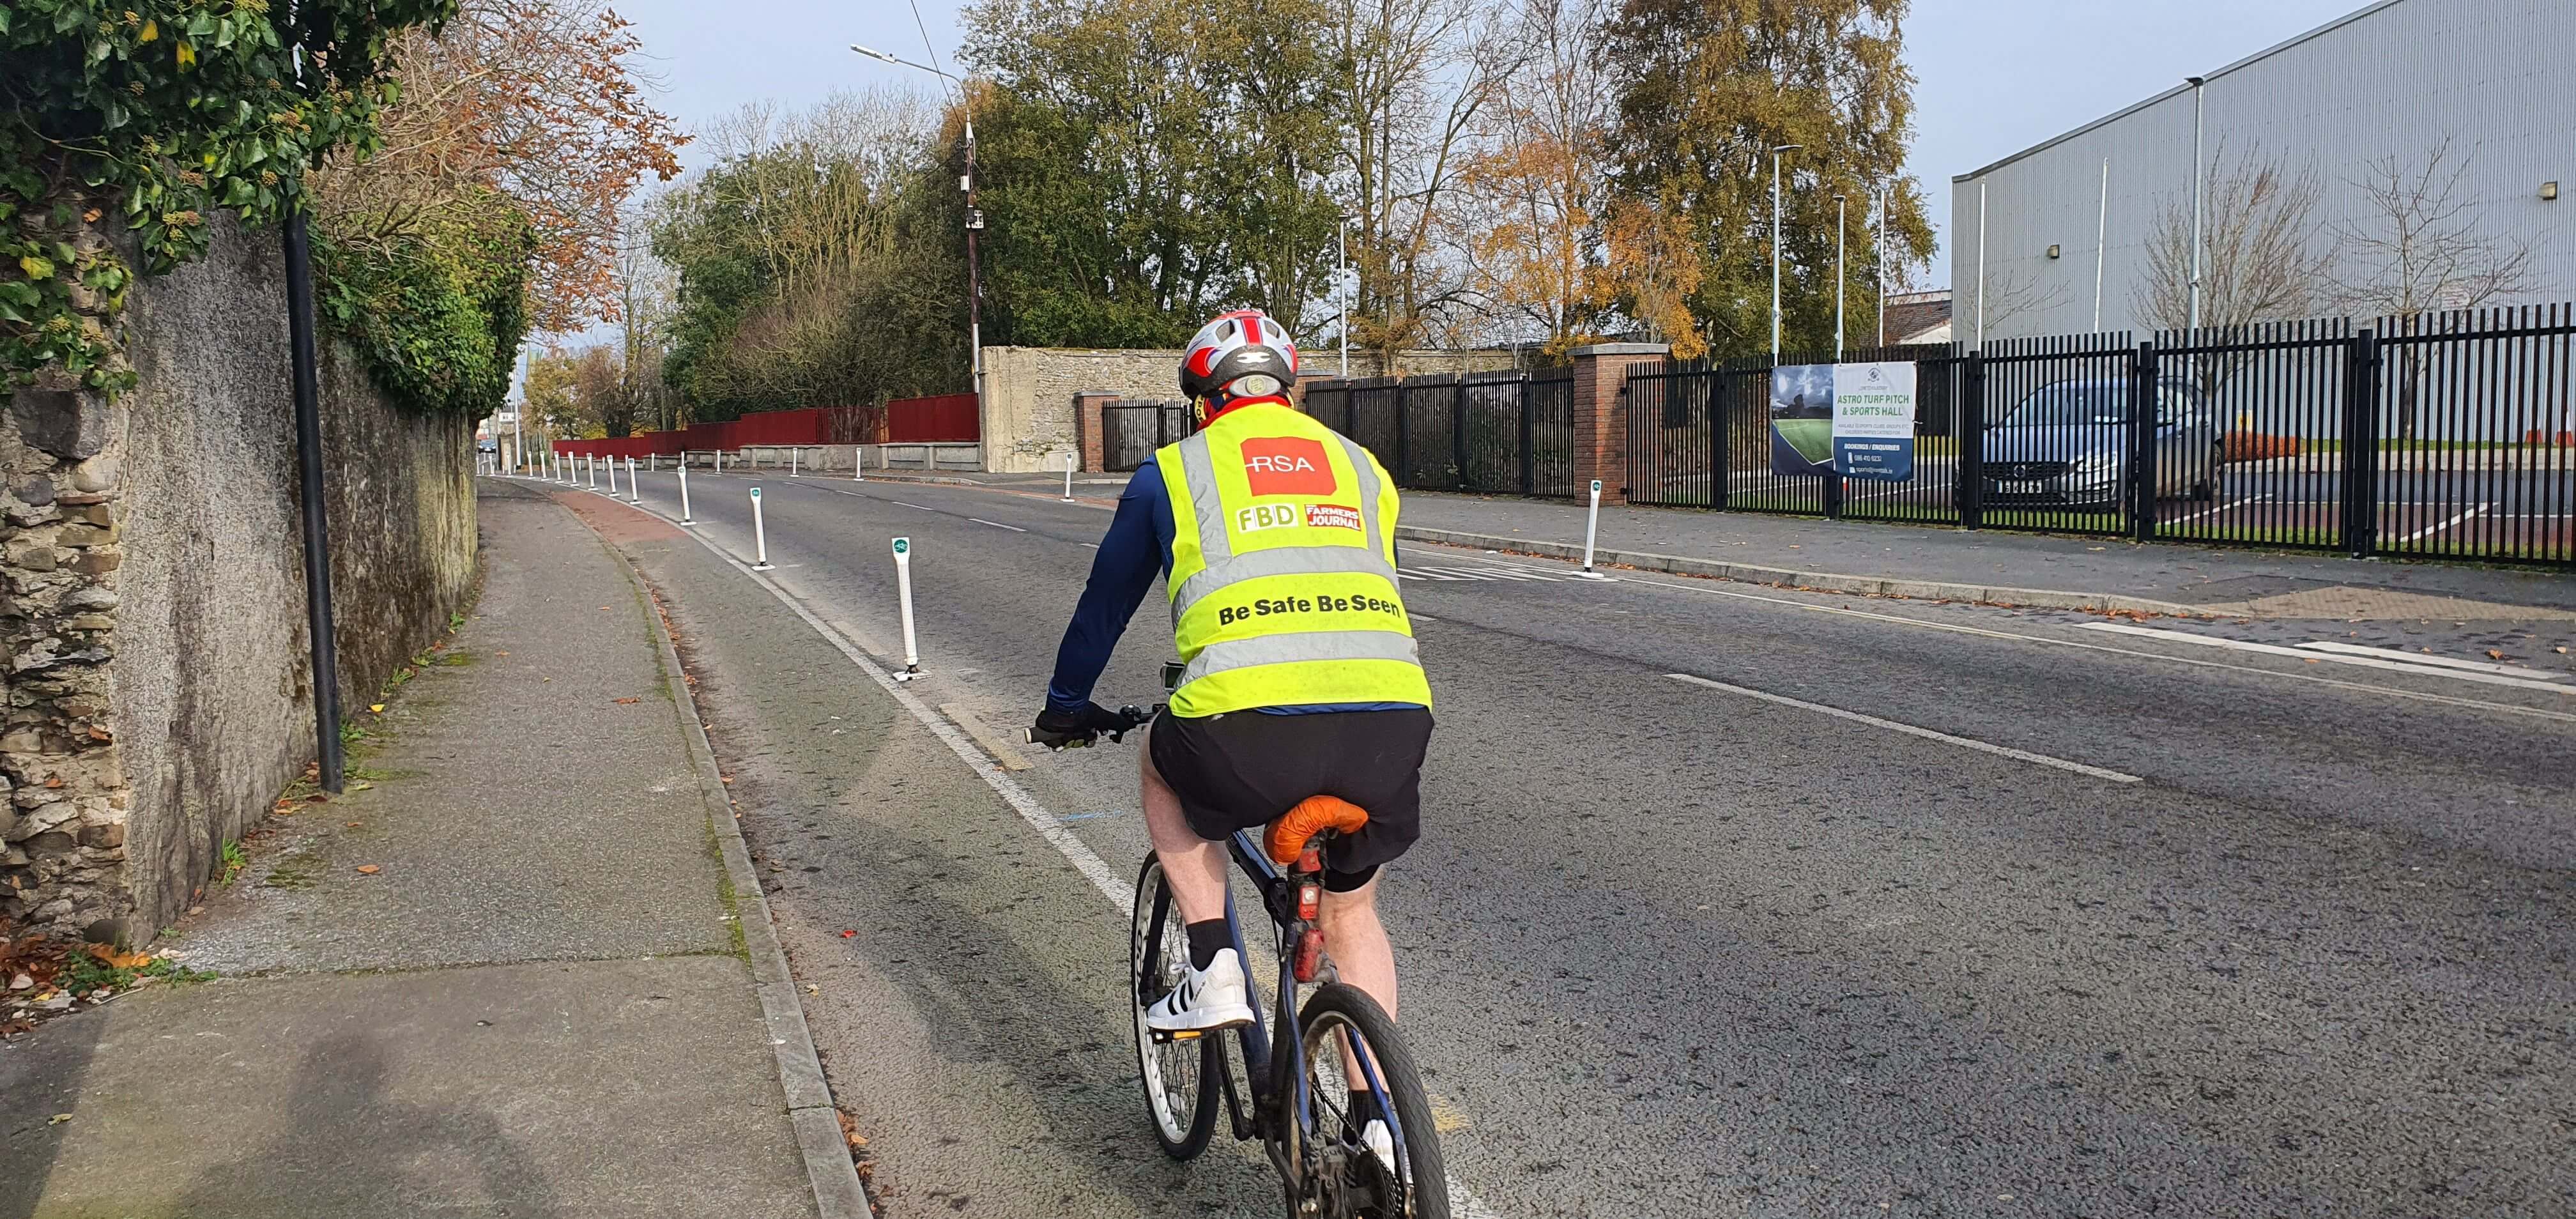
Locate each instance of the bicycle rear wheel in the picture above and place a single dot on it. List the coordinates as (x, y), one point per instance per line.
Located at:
(1179, 1077)
(1350, 1179)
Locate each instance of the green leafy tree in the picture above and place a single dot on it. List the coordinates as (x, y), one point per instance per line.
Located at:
(1706, 89)
(1144, 163)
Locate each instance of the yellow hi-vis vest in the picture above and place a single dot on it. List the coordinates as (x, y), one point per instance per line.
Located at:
(1283, 569)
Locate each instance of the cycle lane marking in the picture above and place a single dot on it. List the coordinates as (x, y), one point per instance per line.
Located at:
(2005, 751)
(1031, 810)
(2314, 655)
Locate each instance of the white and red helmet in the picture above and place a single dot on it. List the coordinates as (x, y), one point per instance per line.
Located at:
(1242, 356)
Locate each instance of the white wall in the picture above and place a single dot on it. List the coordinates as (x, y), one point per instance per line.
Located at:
(2395, 78)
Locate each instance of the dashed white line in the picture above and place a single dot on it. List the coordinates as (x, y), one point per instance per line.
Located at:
(910, 504)
(996, 524)
(2430, 530)
(2005, 751)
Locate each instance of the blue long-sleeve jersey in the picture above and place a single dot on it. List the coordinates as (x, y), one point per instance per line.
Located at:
(1137, 548)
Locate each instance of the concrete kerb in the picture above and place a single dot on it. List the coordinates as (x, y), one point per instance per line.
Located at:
(1867, 586)
(835, 1178)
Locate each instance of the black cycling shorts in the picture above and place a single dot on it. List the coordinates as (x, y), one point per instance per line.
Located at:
(1242, 770)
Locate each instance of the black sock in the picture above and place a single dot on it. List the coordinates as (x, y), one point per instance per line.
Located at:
(1206, 939)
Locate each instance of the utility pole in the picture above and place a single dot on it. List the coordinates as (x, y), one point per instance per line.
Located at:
(1882, 266)
(1776, 150)
(974, 218)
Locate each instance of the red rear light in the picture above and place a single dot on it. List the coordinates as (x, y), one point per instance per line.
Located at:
(1310, 952)
(1311, 859)
(1309, 896)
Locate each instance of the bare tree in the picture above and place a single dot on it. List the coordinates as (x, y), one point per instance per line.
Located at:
(2262, 260)
(2008, 296)
(2417, 249)
(1420, 73)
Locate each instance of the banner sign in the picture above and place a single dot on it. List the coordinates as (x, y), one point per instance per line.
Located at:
(1856, 420)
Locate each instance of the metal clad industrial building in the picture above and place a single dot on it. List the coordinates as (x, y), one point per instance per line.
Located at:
(2398, 77)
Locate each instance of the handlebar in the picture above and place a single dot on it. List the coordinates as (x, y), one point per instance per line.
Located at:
(1130, 718)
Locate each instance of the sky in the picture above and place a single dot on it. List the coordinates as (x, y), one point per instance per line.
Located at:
(1992, 76)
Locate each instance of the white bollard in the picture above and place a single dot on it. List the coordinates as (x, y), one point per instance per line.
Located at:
(1591, 529)
(612, 477)
(1070, 460)
(684, 494)
(791, 460)
(759, 533)
(634, 489)
(903, 585)
(719, 461)
(858, 463)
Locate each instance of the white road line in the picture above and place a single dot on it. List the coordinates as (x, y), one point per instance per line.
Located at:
(2272, 649)
(1456, 573)
(2430, 530)
(909, 504)
(2439, 662)
(2005, 751)
(1050, 827)
(996, 524)
(2017, 637)
(1092, 545)
(2251, 499)
(1413, 574)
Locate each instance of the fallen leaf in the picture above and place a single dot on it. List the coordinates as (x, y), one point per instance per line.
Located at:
(500, 653)
(2560, 651)
(2493, 654)
(378, 708)
(317, 798)
(369, 869)
(847, 934)
(58, 1119)
(353, 825)
(603, 607)
(52, 781)
(623, 701)
(109, 954)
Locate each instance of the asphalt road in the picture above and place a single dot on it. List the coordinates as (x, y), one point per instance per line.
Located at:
(2049, 920)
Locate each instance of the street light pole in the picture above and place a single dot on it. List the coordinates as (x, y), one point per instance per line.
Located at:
(1840, 279)
(1342, 289)
(1882, 266)
(1776, 150)
(2196, 112)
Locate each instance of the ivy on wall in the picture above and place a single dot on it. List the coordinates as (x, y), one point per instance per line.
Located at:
(438, 314)
(154, 114)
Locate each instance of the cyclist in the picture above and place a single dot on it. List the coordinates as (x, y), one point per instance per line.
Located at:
(1275, 538)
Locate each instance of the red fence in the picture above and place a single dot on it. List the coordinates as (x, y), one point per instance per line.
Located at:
(947, 418)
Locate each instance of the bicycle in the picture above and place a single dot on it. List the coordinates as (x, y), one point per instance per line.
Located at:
(1303, 1121)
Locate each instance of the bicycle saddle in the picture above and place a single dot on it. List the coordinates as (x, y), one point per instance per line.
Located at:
(1286, 837)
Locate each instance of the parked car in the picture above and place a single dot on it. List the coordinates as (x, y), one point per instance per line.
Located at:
(2068, 443)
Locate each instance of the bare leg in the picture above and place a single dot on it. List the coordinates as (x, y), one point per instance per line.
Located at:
(1361, 954)
(1193, 866)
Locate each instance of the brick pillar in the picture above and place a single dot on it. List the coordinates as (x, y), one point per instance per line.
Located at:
(1601, 413)
(1087, 405)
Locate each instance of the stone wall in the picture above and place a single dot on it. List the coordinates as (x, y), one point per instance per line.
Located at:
(1030, 420)
(158, 679)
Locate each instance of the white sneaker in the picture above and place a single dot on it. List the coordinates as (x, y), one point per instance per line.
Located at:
(1381, 1143)
(1205, 999)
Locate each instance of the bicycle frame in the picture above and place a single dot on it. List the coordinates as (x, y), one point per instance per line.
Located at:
(1270, 1117)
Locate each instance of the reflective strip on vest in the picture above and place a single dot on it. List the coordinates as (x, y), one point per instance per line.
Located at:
(1229, 654)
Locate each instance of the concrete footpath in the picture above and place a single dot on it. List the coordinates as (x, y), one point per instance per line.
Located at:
(521, 968)
(1874, 558)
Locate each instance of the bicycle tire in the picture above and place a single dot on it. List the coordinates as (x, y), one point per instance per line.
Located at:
(1337, 1004)
(1182, 1135)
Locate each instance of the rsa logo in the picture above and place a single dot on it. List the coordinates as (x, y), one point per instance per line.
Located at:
(1287, 465)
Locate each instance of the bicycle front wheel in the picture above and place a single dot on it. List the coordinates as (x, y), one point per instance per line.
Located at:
(1347, 1035)
(1180, 1077)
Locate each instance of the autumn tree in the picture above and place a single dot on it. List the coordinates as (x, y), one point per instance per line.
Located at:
(1706, 89)
(1534, 191)
(537, 103)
